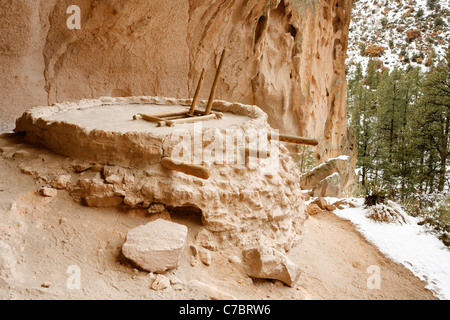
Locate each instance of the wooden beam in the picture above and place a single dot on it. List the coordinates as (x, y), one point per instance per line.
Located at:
(171, 123)
(197, 92)
(219, 115)
(147, 117)
(195, 170)
(168, 114)
(214, 87)
(294, 139)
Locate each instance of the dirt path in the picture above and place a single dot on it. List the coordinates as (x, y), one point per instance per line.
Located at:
(48, 236)
(338, 263)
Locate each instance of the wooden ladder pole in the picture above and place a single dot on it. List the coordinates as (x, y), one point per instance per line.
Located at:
(214, 87)
(197, 92)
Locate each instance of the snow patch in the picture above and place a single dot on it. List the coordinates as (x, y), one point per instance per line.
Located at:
(409, 244)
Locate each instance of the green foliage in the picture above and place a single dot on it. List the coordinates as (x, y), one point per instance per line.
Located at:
(391, 43)
(362, 48)
(434, 211)
(431, 4)
(420, 13)
(438, 22)
(401, 120)
(305, 157)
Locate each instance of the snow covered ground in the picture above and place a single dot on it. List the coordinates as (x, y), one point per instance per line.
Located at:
(409, 244)
(386, 23)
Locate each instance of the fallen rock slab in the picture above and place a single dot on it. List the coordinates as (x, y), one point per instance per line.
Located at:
(156, 246)
(269, 263)
(328, 187)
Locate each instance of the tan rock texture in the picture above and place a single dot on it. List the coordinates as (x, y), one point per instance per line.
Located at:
(245, 201)
(285, 56)
(156, 246)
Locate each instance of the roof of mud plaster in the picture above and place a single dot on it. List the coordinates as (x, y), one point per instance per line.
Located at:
(103, 130)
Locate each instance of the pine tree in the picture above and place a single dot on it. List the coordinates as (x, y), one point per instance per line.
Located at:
(436, 99)
(401, 120)
(405, 154)
(387, 123)
(360, 101)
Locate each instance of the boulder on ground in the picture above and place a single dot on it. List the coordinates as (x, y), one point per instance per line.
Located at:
(269, 263)
(156, 246)
(329, 187)
(160, 283)
(323, 180)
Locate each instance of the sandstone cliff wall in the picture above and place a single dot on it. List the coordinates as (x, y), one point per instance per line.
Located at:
(286, 56)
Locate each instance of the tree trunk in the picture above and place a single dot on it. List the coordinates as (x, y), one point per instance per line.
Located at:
(443, 152)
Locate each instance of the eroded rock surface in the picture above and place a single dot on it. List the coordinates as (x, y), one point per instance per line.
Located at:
(8, 261)
(285, 56)
(242, 203)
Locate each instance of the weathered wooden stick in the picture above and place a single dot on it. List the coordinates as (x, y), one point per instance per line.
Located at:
(171, 123)
(168, 114)
(219, 115)
(197, 92)
(214, 87)
(294, 139)
(148, 117)
(187, 168)
(174, 117)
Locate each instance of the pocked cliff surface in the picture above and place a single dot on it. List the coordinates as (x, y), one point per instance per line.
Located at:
(285, 56)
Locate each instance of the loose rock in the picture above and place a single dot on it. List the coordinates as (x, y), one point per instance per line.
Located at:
(313, 209)
(205, 256)
(160, 283)
(156, 246)
(321, 202)
(48, 192)
(269, 263)
(61, 182)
